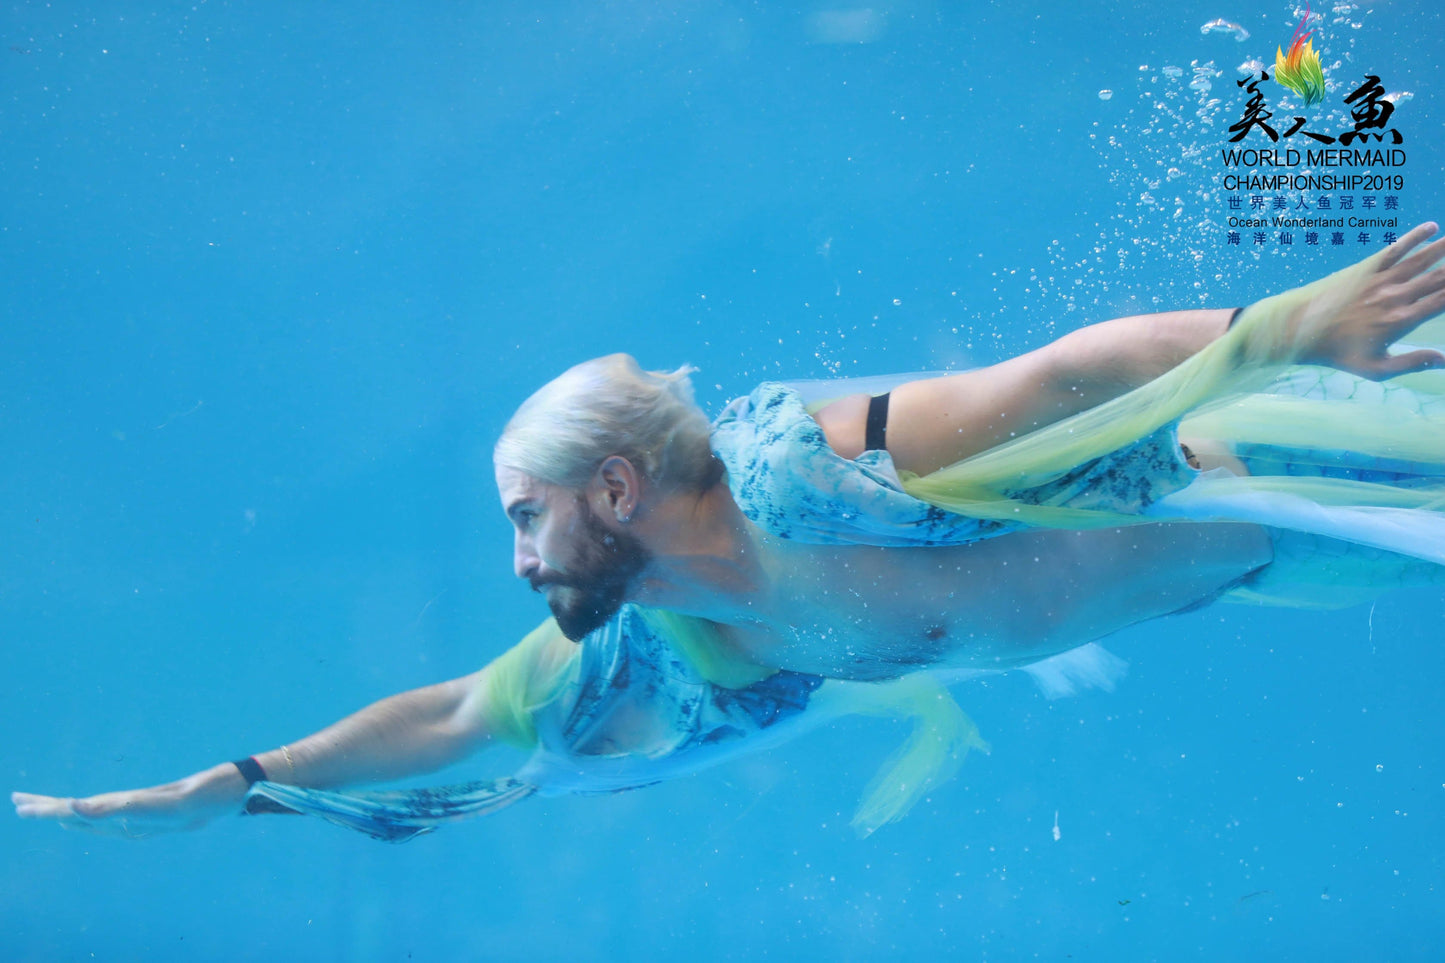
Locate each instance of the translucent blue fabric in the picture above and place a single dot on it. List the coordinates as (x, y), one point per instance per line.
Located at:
(787, 480)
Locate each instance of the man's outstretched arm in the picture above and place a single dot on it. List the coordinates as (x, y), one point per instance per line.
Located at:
(939, 421)
(407, 734)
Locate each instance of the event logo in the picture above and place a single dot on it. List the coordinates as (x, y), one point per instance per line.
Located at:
(1333, 176)
(1300, 69)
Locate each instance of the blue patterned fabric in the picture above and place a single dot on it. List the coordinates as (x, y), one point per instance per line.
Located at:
(636, 697)
(786, 479)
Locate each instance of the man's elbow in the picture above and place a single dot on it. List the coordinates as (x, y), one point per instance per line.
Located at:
(844, 424)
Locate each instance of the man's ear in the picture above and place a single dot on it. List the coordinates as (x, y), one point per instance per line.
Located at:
(618, 485)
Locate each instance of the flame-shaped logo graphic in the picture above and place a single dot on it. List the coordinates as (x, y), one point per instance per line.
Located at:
(1300, 70)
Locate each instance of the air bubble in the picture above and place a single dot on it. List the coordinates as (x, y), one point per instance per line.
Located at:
(1224, 26)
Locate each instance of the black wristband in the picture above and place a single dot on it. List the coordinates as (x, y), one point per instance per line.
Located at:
(1233, 318)
(250, 770)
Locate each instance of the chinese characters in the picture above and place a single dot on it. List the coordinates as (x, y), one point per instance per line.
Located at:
(1369, 109)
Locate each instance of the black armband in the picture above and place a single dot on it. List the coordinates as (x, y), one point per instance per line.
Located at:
(250, 770)
(875, 434)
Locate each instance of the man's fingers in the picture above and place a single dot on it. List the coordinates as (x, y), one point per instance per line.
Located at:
(98, 814)
(1408, 363)
(1419, 264)
(1417, 288)
(29, 806)
(1424, 303)
(1392, 254)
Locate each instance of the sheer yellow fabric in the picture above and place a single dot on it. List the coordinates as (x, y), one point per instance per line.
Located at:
(523, 679)
(1217, 393)
(941, 737)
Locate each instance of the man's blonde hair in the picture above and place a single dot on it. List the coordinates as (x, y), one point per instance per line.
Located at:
(611, 406)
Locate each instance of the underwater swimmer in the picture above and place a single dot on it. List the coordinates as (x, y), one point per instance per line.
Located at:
(981, 520)
(733, 585)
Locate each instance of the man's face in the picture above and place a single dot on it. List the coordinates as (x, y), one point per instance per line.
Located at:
(563, 549)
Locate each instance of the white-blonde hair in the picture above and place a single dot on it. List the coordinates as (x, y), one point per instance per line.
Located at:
(611, 406)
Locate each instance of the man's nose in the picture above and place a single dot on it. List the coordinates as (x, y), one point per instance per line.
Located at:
(524, 561)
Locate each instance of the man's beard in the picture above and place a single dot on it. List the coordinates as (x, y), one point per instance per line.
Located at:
(598, 579)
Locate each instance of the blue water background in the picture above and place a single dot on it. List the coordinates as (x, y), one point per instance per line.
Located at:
(274, 275)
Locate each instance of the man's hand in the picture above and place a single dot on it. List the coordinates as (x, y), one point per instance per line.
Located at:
(1352, 327)
(137, 813)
